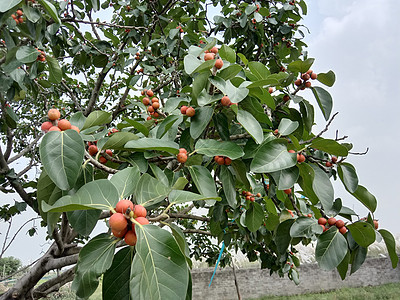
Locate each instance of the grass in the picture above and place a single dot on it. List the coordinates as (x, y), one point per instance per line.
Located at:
(386, 291)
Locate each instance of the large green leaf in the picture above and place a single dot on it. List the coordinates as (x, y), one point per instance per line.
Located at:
(286, 178)
(97, 117)
(153, 144)
(227, 53)
(180, 239)
(125, 181)
(324, 100)
(344, 266)
(200, 121)
(84, 221)
(228, 184)
(287, 126)
(177, 197)
(167, 124)
(301, 66)
(254, 107)
(98, 194)
(203, 180)
(347, 174)
(51, 10)
(8, 4)
(391, 246)
(323, 188)
(357, 258)
(259, 69)
(159, 269)
(191, 62)
(55, 72)
(61, 154)
(273, 156)
(305, 227)
(282, 236)
(329, 146)
(212, 148)
(27, 54)
(254, 217)
(306, 180)
(118, 140)
(251, 125)
(363, 233)
(327, 78)
(94, 259)
(365, 197)
(139, 126)
(116, 279)
(331, 249)
(150, 191)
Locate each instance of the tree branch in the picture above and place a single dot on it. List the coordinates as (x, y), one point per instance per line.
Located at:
(99, 165)
(26, 150)
(197, 231)
(54, 284)
(324, 130)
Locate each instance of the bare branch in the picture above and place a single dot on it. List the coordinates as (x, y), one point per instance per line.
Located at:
(99, 165)
(294, 205)
(26, 150)
(54, 284)
(359, 153)
(10, 136)
(324, 130)
(73, 97)
(197, 231)
(71, 20)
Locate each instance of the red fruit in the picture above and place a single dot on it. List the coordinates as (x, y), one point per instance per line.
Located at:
(155, 99)
(288, 191)
(309, 215)
(276, 131)
(249, 194)
(243, 193)
(142, 92)
(123, 205)
(146, 101)
(184, 109)
(286, 98)
(156, 115)
(300, 158)
(190, 111)
(148, 118)
(331, 221)
(258, 195)
(142, 220)
(339, 224)
(376, 224)
(150, 109)
(118, 222)
(252, 199)
(156, 105)
(307, 84)
(182, 150)
(150, 93)
(219, 63)
(140, 211)
(298, 82)
(53, 114)
(92, 149)
(291, 151)
(75, 128)
(225, 101)
(102, 160)
(323, 228)
(182, 157)
(343, 230)
(109, 152)
(130, 238)
(19, 12)
(54, 128)
(64, 124)
(270, 90)
(220, 160)
(313, 76)
(228, 161)
(248, 197)
(119, 234)
(334, 159)
(14, 16)
(305, 76)
(322, 221)
(328, 164)
(209, 56)
(46, 126)
(214, 50)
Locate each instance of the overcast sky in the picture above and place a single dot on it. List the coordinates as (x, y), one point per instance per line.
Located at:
(359, 41)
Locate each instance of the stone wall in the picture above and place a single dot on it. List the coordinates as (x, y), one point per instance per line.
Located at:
(255, 283)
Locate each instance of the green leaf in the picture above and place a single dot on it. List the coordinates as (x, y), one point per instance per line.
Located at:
(139, 126)
(203, 180)
(55, 72)
(286, 178)
(94, 259)
(167, 123)
(254, 217)
(241, 171)
(282, 236)
(357, 258)
(26, 54)
(116, 279)
(287, 126)
(229, 72)
(153, 144)
(84, 221)
(125, 181)
(347, 174)
(254, 107)
(200, 121)
(365, 197)
(7, 5)
(329, 146)
(273, 156)
(391, 246)
(51, 10)
(61, 154)
(78, 119)
(97, 117)
(181, 241)
(301, 66)
(227, 53)
(259, 70)
(251, 125)
(363, 233)
(228, 185)
(191, 62)
(331, 249)
(212, 148)
(322, 187)
(327, 78)
(177, 197)
(159, 269)
(199, 84)
(344, 266)
(305, 227)
(98, 194)
(119, 139)
(324, 100)
(150, 191)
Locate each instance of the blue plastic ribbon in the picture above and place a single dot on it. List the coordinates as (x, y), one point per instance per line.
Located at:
(218, 260)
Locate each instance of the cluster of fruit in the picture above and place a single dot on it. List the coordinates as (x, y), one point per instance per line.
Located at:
(18, 17)
(300, 157)
(330, 163)
(249, 196)
(55, 124)
(152, 105)
(120, 220)
(210, 54)
(182, 155)
(180, 28)
(188, 111)
(304, 82)
(92, 150)
(222, 160)
(42, 56)
(332, 222)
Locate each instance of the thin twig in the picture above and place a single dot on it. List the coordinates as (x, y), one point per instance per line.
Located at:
(324, 130)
